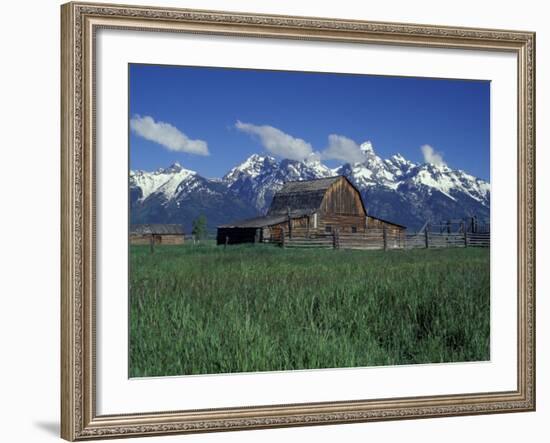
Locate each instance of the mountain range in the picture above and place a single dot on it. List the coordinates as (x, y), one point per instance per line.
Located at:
(394, 189)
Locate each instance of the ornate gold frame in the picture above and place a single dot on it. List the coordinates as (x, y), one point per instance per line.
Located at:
(79, 22)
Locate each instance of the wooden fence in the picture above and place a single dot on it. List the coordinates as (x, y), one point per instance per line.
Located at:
(444, 240)
(383, 239)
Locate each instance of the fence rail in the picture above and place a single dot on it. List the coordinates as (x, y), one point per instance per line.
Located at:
(381, 239)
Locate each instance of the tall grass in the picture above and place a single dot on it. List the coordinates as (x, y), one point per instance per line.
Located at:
(206, 309)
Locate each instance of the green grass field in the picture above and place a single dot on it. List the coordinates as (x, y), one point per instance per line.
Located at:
(205, 309)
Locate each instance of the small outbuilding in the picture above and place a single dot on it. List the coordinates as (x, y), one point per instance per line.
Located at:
(306, 208)
(157, 234)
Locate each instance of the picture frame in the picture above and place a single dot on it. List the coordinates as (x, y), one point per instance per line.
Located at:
(80, 24)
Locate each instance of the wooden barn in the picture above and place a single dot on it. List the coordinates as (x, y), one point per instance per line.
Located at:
(157, 234)
(307, 208)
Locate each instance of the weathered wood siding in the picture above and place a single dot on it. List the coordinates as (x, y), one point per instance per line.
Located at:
(342, 223)
(158, 239)
(342, 209)
(172, 239)
(272, 234)
(298, 226)
(140, 239)
(375, 223)
(343, 199)
(395, 235)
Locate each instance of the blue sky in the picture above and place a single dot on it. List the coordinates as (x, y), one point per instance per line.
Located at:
(211, 119)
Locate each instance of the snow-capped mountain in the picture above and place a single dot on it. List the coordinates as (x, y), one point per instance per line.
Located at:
(162, 181)
(411, 194)
(396, 171)
(178, 195)
(395, 189)
(260, 177)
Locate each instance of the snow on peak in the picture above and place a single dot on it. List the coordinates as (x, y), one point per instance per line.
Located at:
(399, 165)
(163, 180)
(367, 147)
(251, 167)
(438, 168)
(450, 182)
(317, 168)
(174, 167)
(372, 170)
(370, 157)
(252, 160)
(399, 159)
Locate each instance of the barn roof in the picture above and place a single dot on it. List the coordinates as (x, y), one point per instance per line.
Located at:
(262, 222)
(301, 195)
(386, 221)
(156, 228)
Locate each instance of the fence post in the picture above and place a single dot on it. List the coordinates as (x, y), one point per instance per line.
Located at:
(289, 223)
(385, 237)
(427, 237)
(283, 237)
(226, 241)
(152, 243)
(335, 244)
(465, 238)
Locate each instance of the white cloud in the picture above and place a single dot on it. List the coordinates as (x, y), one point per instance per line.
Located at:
(342, 148)
(167, 135)
(278, 142)
(431, 155)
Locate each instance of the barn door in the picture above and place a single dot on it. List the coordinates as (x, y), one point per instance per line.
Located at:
(276, 234)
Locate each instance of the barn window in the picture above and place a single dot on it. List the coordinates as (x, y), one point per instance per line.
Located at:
(354, 229)
(328, 228)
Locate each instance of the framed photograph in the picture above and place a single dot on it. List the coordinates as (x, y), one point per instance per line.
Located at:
(283, 221)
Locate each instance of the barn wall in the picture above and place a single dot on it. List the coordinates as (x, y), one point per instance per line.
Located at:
(172, 239)
(374, 223)
(395, 234)
(140, 239)
(272, 234)
(299, 228)
(343, 223)
(342, 198)
(159, 239)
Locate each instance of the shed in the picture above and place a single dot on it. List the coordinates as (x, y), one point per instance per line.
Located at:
(156, 233)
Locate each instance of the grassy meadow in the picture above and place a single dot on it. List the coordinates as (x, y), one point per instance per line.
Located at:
(206, 309)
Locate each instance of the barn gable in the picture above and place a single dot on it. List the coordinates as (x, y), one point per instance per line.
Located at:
(342, 198)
